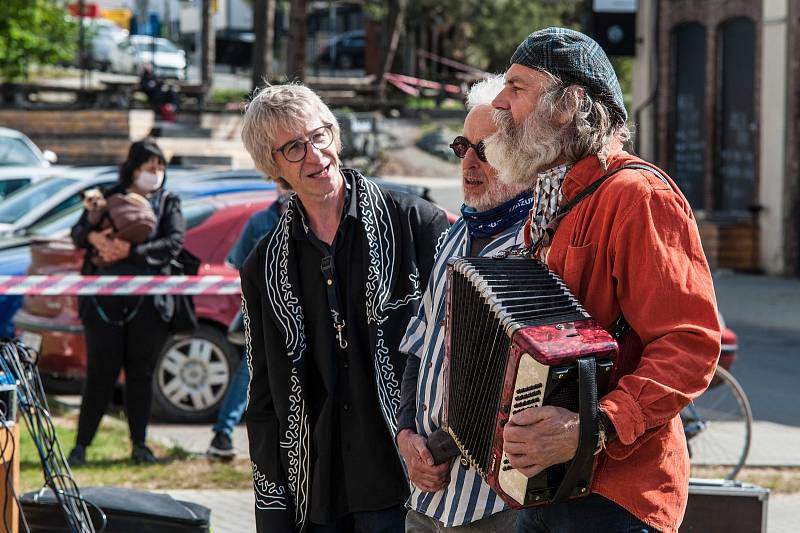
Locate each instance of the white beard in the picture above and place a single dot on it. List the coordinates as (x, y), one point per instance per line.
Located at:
(520, 152)
(497, 193)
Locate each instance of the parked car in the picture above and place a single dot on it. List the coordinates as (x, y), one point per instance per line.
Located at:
(15, 178)
(344, 51)
(729, 347)
(16, 149)
(192, 372)
(110, 54)
(168, 60)
(15, 256)
(188, 386)
(49, 196)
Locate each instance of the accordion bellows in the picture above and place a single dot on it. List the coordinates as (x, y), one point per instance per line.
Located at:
(513, 335)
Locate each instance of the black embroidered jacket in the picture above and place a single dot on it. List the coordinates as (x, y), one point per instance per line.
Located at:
(401, 233)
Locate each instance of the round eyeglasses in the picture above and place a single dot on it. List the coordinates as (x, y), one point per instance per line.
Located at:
(461, 146)
(296, 149)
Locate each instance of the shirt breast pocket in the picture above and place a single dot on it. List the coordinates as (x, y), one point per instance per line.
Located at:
(578, 266)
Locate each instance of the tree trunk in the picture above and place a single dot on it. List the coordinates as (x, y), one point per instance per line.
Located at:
(264, 27)
(397, 12)
(296, 49)
(207, 51)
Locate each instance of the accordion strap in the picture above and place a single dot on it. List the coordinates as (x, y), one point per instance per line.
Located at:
(580, 468)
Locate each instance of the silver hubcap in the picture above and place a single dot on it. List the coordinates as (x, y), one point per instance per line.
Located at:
(193, 374)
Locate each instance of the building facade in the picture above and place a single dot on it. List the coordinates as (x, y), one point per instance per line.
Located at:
(715, 103)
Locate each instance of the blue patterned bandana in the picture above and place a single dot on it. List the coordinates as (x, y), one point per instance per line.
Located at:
(483, 224)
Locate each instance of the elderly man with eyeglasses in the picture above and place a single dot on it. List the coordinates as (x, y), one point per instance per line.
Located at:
(327, 296)
(449, 496)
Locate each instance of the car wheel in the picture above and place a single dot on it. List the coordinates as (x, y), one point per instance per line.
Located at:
(192, 375)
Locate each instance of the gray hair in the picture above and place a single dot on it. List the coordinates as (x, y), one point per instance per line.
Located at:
(484, 91)
(281, 108)
(592, 126)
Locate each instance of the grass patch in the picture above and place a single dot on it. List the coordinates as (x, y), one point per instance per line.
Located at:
(782, 480)
(109, 462)
(229, 96)
(427, 102)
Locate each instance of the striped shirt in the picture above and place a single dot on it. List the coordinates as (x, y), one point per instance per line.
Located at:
(467, 497)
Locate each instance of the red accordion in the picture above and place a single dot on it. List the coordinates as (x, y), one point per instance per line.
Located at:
(516, 338)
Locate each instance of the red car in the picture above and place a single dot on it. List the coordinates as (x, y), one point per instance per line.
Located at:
(192, 372)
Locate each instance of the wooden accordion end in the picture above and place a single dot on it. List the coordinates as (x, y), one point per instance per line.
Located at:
(516, 338)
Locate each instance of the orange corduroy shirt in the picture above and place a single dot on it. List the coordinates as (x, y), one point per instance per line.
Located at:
(633, 247)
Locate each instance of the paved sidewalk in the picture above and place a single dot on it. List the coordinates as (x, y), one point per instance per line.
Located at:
(782, 513)
(195, 438)
(768, 302)
(232, 511)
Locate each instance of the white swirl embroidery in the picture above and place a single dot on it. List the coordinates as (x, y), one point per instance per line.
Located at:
(382, 251)
(269, 496)
(286, 307)
(296, 443)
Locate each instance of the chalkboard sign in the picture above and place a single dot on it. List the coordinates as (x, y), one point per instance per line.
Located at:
(735, 158)
(687, 161)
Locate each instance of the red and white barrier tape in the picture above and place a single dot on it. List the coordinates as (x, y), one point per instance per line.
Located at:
(73, 284)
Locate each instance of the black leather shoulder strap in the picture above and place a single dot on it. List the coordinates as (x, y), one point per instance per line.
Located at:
(579, 471)
(550, 230)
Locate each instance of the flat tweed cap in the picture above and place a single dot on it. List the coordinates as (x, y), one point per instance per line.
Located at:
(576, 59)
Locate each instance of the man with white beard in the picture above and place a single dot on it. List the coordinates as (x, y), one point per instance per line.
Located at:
(449, 497)
(623, 238)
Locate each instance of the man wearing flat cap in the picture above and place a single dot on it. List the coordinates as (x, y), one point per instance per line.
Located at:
(623, 238)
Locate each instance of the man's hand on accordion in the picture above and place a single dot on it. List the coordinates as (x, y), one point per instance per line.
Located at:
(539, 437)
(422, 471)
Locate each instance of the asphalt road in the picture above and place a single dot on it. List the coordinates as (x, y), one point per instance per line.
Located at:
(767, 368)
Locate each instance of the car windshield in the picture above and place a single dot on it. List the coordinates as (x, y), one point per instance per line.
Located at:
(146, 45)
(16, 152)
(194, 213)
(27, 198)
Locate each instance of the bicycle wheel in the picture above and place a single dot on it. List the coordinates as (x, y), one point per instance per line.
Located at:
(718, 425)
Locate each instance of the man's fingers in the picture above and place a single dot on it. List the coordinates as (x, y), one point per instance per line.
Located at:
(424, 487)
(531, 470)
(529, 416)
(519, 461)
(517, 448)
(438, 473)
(520, 434)
(423, 451)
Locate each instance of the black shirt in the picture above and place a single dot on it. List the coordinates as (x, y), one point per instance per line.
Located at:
(355, 466)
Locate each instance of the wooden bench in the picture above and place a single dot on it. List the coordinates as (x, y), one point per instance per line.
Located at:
(108, 95)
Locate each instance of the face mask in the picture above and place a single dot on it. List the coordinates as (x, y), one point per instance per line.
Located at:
(148, 181)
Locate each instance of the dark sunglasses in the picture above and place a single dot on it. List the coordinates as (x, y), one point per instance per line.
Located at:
(461, 146)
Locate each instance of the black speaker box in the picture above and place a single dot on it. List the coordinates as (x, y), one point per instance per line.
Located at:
(725, 506)
(126, 510)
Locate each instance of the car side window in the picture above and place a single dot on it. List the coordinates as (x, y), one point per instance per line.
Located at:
(9, 186)
(75, 199)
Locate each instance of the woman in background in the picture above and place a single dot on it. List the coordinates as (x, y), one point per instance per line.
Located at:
(127, 332)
